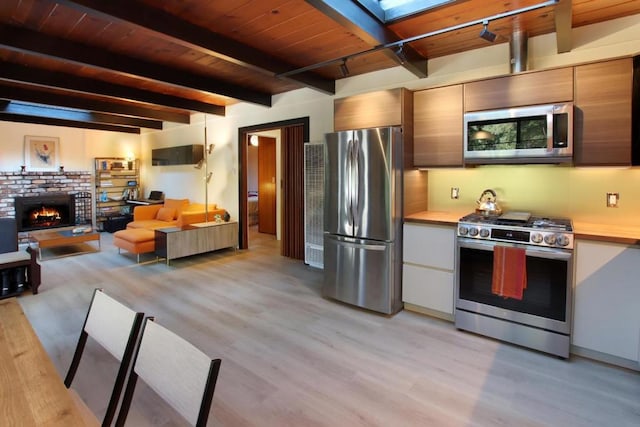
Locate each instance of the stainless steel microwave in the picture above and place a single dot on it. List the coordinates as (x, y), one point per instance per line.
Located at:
(533, 134)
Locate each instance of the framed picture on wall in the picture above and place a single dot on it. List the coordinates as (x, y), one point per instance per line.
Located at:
(41, 152)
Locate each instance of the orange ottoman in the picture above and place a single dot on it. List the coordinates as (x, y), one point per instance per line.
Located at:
(135, 240)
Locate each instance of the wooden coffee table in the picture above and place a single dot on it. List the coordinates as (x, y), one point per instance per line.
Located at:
(62, 237)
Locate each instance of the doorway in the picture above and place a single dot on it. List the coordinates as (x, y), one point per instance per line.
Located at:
(267, 185)
(294, 134)
(263, 174)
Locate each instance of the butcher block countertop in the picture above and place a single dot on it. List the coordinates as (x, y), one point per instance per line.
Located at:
(624, 234)
(435, 217)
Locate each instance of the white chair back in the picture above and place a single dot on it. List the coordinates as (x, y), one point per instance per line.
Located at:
(115, 327)
(109, 322)
(174, 369)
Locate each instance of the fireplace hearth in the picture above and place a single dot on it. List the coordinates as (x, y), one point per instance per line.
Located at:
(45, 211)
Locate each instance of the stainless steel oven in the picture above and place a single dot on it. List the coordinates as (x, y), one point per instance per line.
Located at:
(541, 319)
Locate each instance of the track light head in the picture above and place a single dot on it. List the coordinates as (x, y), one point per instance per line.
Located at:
(400, 54)
(486, 34)
(343, 68)
(210, 148)
(199, 164)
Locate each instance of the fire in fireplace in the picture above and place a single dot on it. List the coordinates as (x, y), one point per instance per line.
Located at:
(45, 211)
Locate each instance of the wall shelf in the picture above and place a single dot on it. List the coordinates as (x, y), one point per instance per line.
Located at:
(116, 181)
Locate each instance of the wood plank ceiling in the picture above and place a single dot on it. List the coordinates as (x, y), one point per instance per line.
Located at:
(123, 65)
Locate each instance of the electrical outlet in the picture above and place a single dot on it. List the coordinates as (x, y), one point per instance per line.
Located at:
(455, 192)
(612, 200)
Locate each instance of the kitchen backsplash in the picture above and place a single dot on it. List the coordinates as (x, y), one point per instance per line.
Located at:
(577, 193)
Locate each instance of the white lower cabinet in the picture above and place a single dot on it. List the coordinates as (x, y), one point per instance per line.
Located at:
(606, 315)
(428, 269)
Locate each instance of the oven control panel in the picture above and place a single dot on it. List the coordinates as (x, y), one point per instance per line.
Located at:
(548, 238)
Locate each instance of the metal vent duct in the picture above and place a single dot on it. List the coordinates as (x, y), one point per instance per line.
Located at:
(518, 51)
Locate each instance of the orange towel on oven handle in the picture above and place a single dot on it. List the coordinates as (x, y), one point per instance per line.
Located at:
(509, 272)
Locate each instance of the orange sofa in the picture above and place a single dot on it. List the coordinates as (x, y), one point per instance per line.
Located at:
(173, 213)
(139, 237)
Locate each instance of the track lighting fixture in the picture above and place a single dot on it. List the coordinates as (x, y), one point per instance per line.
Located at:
(343, 68)
(199, 164)
(486, 34)
(400, 54)
(210, 149)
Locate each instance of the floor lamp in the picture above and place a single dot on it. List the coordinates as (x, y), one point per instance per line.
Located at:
(208, 149)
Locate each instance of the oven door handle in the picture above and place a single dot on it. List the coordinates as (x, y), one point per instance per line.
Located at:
(539, 252)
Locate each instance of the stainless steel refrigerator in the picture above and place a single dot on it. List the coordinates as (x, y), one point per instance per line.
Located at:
(363, 218)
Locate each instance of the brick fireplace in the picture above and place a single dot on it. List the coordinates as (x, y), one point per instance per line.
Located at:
(37, 184)
(47, 210)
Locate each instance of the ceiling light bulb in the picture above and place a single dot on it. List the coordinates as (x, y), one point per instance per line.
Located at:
(253, 140)
(400, 54)
(344, 70)
(486, 34)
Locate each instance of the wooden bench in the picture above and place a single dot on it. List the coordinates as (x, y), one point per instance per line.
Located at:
(26, 259)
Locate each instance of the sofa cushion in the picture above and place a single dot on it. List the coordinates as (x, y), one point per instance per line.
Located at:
(178, 204)
(199, 207)
(166, 214)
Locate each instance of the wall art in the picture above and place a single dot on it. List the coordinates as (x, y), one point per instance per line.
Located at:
(41, 152)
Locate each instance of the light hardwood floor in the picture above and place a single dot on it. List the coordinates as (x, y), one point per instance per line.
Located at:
(292, 358)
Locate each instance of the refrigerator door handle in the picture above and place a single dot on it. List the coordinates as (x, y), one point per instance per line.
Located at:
(350, 168)
(368, 247)
(355, 204)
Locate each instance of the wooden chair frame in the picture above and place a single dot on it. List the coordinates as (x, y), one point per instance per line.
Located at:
(207, 393)
(125, 358)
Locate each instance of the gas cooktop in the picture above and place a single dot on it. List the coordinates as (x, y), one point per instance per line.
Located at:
(518, 227)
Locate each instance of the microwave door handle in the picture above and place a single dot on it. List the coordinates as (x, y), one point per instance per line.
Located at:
(550, 132)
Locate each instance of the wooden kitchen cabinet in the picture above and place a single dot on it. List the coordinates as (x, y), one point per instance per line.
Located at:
(374, 109)
(438, 127)
(606, 315)
(530, 88)
(428, 271)
(603, 113)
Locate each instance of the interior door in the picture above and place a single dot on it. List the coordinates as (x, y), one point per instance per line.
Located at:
(267, 185)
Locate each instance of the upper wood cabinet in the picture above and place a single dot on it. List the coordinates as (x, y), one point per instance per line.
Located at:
(374, 109)
(603, 111)
(540, 87)
(438, 127)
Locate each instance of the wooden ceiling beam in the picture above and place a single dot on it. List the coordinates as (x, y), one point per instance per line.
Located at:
(69, 100)
(23, 118)
(33, 42)
(359, 22)
(20, 73)
(78, 116)
(201, 39)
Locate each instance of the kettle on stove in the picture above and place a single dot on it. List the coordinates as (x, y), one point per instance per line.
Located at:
(487, 204)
